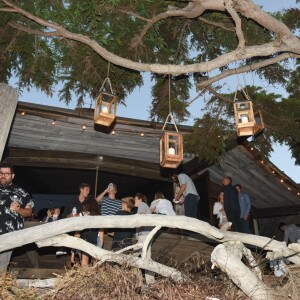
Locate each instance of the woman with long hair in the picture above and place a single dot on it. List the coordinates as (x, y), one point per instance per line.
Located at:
(218, 210)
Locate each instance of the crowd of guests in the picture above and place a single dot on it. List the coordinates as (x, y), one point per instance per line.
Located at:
(232, 210)
(107, 204)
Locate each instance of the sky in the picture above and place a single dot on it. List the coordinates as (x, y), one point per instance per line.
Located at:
(281, 156)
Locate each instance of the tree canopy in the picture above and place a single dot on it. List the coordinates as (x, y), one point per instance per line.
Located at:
(181, 43)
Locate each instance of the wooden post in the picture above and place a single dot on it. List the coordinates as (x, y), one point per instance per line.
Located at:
(8, 102)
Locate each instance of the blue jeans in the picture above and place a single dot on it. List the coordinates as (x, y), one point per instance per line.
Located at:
(191, 205)
(244, 226)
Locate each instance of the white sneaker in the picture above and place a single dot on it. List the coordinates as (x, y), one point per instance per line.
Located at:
(61, 253)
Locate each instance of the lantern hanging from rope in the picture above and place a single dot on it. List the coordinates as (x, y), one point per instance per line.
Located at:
(106, 105)
(171, 146)
(248, 122)
(171, 142)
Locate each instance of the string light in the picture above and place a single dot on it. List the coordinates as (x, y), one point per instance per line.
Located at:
(142, 134)
(53, 122)
(83, 127)
(23, 113)
(113, 132)
(251, 148)
(281, 180)
(261, 161)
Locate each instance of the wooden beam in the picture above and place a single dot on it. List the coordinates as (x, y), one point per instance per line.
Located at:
(276, 211)
(86, 161)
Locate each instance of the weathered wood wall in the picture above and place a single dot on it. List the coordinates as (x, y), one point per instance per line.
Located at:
(8, 103)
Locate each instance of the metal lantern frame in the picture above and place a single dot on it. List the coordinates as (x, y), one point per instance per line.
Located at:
(171, 146)
(248, 122)
(106, 105)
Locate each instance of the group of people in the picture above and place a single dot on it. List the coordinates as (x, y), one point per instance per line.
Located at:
(16, 205)
(115, 238)
(233, 207)
(232, 210)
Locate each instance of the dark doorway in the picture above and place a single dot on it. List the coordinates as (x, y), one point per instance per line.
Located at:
(56, 181)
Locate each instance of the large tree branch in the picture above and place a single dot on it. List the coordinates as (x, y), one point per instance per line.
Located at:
(65, 240)
(289, 43)
(237, 21)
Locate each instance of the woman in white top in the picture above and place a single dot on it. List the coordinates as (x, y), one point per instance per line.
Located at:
(162, 206)
(218, 210)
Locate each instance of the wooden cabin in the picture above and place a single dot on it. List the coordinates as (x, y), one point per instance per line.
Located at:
(55, 149)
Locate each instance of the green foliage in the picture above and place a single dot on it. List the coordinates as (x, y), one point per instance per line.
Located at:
(207, 139)
(170, 96)
(116, 25)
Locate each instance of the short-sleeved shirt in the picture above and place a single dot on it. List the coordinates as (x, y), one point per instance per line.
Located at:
(163, 206)
(74, 202)
(190, 187)
(110, 206)
(144, 209)
(11, 220)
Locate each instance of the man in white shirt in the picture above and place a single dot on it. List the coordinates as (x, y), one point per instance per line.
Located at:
(189, 191)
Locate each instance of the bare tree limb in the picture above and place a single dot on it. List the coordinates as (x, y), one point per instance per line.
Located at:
(216, 24)
(148, 241)
(32, 31)
(221, 97)
(238, 22)
(245, 69)
(228, 258)
(65, 240)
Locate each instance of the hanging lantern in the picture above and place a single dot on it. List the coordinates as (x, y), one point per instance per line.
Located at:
(248, 123)
(171, 147)
(106, 105)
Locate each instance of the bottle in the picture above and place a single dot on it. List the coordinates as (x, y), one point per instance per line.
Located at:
(74, 211)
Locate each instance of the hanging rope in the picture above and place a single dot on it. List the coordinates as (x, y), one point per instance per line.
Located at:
(170, 116)
(244, 92)
(108, 67)
(107, 80)
(170, 94)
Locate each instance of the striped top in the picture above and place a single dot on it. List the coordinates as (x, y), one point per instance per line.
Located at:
(110, 206)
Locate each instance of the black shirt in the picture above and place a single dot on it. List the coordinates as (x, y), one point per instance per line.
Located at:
(74, 202)
(123, 236)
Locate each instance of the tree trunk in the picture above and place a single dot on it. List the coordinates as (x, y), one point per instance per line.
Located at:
(228, 258)
(8, 103)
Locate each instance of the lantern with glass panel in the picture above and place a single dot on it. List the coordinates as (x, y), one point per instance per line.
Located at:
(106, 105)
(248, 122)
(171, 147)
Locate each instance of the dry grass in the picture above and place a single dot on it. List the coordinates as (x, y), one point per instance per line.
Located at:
(115, 282)
(111, 281)
(10, 291)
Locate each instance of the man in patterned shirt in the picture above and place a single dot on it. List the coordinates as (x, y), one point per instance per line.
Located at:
(15, 205)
